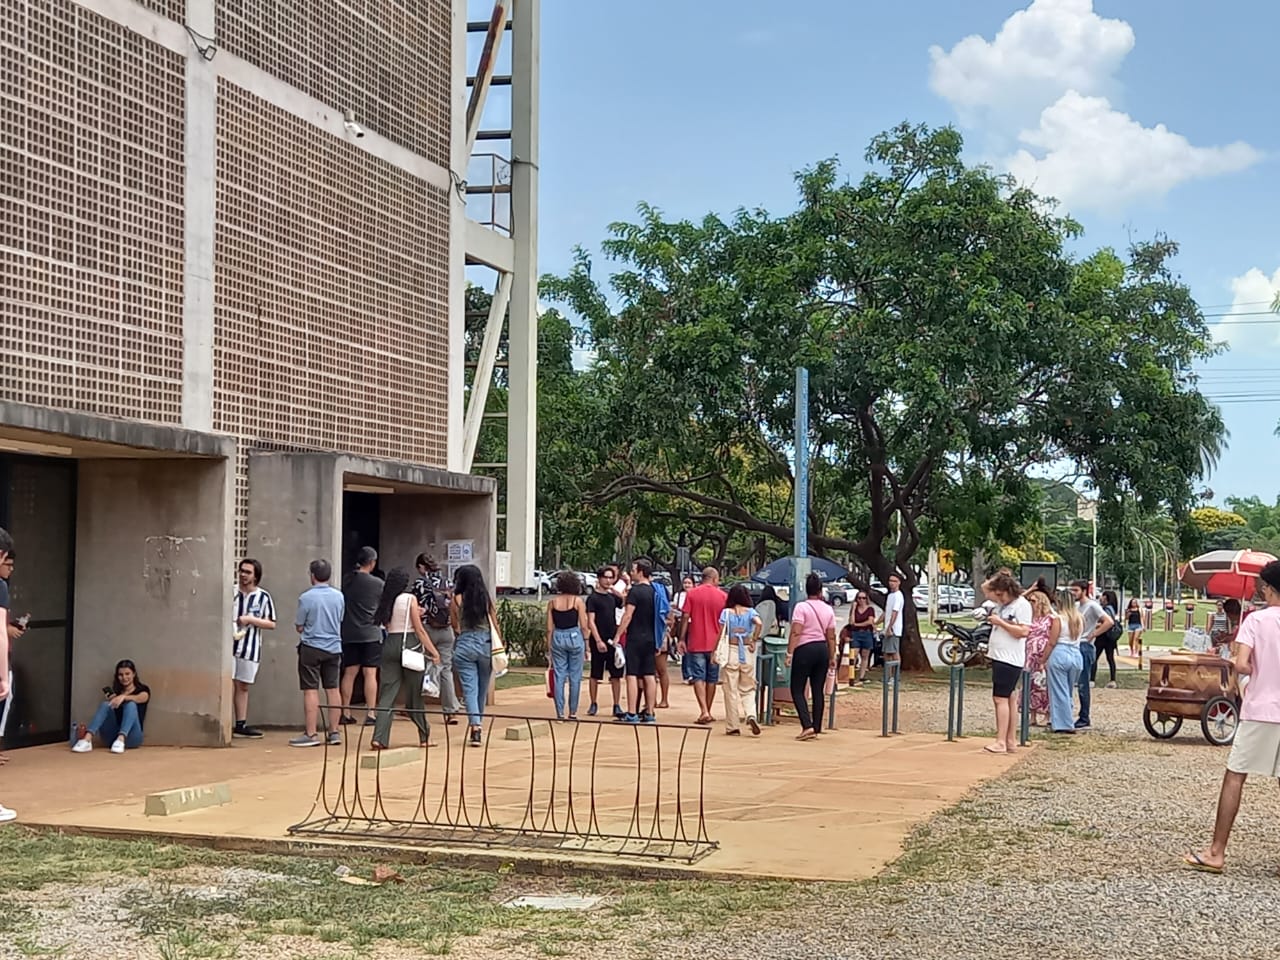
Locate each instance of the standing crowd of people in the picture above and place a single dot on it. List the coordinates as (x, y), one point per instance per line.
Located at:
(1058, 639)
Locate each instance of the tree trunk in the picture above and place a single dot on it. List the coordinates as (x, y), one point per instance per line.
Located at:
(915, 658)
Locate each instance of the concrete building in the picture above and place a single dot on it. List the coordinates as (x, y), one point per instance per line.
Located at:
(233, 247)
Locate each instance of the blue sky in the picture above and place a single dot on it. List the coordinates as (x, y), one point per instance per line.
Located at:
(708, 105)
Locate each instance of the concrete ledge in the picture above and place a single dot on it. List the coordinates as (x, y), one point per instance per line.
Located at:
(526, 731)
(390, 758)
(186, 799)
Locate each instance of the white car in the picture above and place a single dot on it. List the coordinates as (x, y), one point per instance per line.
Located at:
(950, 600)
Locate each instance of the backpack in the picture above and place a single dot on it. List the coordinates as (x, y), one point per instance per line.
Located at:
(1114, 634)
(434, 603)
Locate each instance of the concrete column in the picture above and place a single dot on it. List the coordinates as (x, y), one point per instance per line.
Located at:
(522, 418)
(200, 201)
(153, 580)
(459, 159)
(295, 516)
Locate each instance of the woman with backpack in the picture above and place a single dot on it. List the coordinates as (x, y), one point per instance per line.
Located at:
(1108, 642)
(433, 600)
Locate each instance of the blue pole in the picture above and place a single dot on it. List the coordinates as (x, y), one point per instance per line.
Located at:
(800, 562)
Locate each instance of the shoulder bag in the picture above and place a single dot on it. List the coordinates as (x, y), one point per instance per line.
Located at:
(501, 662)
(721, 656)
(411, 658)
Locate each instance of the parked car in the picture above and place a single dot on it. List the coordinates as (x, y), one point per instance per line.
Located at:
(949, 599)
(839, 592)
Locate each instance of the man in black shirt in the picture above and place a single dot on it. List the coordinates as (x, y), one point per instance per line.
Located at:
(361, 637)
(602, 607)
(639, 643)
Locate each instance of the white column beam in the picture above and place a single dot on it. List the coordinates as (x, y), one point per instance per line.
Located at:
(522, 333)
(458, 158)
(484, 369)
(200, 150)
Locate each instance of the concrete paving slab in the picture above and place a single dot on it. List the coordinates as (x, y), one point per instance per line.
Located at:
(837, 808)
(168, 803)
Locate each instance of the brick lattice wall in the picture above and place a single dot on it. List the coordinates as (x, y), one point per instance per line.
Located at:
(331, 297)
(91, 214)
(387, 60)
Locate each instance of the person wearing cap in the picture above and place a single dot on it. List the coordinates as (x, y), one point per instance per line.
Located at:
(1256, 748)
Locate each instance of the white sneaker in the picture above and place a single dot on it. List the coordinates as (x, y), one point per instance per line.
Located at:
(117, 746)
(6, 814)
(82, 746)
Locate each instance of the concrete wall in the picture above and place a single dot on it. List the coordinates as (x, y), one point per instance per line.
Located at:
(422, 523)
(153, 573)
(295, 506)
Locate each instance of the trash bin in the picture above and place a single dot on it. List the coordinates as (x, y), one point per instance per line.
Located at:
(777, 646)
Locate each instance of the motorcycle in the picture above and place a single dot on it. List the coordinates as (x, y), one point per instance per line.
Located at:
(964, 644)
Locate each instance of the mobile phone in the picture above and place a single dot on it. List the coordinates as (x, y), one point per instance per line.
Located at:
(23, 620)
(107, 692)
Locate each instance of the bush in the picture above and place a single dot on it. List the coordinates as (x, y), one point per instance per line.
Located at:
(524, 631)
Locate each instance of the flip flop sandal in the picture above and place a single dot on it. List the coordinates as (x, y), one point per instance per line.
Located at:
(807, 735)
(1192, 861)
(991, 748)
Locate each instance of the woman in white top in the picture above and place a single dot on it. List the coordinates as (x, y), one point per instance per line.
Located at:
(399, 612)
(1010, 623)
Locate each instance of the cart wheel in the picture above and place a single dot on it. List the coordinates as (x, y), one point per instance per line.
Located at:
(1219, 721)
(1162, 726)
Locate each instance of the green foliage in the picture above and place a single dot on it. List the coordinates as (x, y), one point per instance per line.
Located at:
(953, 344)
(524, 631)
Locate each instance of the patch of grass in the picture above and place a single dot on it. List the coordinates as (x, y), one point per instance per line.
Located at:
(520, 677)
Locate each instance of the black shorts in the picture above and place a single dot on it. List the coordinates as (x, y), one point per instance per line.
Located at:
(362, 654)
(1004, 678)
(318, 669)
(600, 662)
(641, 657)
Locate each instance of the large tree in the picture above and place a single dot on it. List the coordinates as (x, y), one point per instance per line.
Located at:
(954, 348)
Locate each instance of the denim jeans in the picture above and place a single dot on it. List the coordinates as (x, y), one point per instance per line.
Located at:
(104, 724)
(1088, 654)
(473, 662)
(1064, 670)
(567, 654)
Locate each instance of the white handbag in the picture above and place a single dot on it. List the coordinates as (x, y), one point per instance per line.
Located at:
(411, 658)
(619, 658)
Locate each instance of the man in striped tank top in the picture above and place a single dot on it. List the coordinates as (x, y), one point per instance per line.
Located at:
(251, 612)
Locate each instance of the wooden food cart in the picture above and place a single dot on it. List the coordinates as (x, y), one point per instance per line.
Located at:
(1192, 686)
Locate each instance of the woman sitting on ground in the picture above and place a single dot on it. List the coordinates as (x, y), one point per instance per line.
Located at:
(121, 714)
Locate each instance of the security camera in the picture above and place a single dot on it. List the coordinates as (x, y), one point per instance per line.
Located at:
(349, 121)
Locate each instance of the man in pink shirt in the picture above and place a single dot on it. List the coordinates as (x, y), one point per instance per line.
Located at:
(699, 634)
(1257, 744)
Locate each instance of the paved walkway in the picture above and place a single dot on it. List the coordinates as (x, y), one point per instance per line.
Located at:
(836, 808)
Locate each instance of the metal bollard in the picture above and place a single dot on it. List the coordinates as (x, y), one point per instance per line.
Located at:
(1025, 726)
(766, 677)
(831, 702)
(955, 704)
(890, 667)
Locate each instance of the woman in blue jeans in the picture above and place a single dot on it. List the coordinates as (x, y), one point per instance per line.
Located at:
(1064, 664)
(567, 628)
(471, 614)
(120, 716)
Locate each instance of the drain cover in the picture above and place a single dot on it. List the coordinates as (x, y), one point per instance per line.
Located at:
(554, 903)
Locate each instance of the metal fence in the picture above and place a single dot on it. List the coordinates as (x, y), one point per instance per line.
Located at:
(596, 787)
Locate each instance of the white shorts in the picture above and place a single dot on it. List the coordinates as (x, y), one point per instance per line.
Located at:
(246, 671)
(1256, 749)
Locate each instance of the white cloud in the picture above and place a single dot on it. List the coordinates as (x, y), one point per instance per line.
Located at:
(1090, 154)
(1040, 53)
(1042, 79)
(1251, 293)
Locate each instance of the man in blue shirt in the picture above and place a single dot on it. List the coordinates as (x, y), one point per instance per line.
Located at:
(319, 623)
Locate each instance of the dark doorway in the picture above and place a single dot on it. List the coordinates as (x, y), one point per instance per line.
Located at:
(361, 521)
(38, 507)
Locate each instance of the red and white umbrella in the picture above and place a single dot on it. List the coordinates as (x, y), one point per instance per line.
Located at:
(1225, 573)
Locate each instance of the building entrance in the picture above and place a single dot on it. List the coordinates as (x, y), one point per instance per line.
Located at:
(38, 507)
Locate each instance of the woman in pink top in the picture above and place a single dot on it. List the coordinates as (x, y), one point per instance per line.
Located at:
(1256, 748)
(810, 654)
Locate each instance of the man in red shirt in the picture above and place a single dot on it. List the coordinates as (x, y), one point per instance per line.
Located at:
(699, 633)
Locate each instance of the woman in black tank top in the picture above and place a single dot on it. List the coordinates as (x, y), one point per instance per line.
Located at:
(567, 629)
